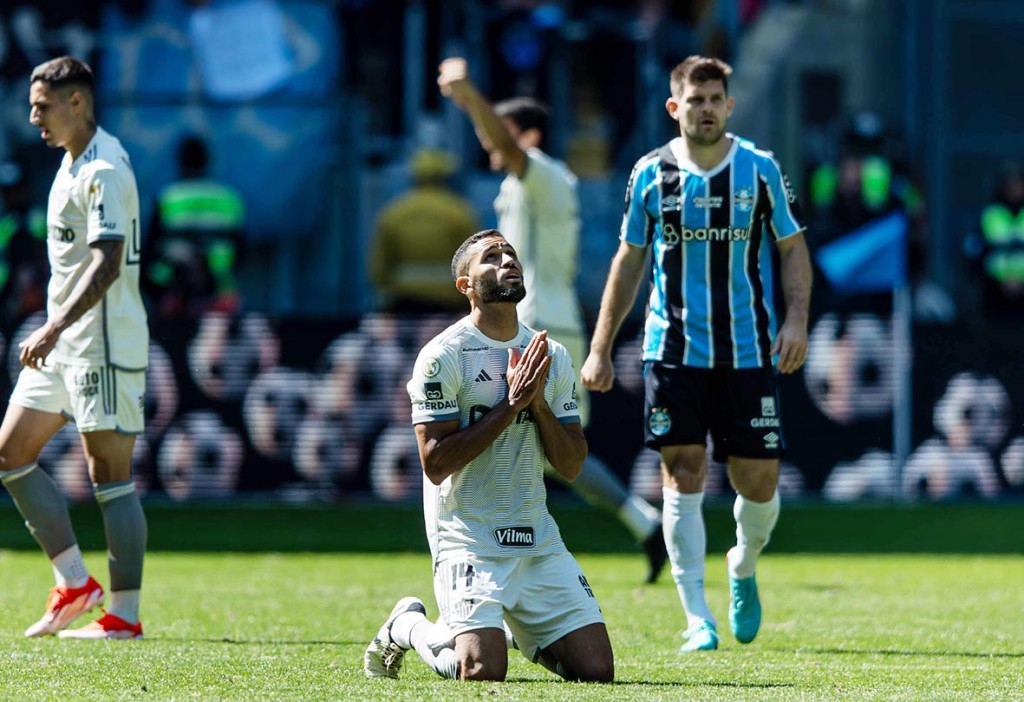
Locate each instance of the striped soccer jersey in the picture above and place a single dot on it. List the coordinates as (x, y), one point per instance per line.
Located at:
(95, 198)
(711, 301)
(497, 504)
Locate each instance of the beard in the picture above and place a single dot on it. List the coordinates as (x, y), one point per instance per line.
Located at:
(694, 135)
(492, 291)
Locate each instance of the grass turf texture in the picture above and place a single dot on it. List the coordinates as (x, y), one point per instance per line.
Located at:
(278, 604)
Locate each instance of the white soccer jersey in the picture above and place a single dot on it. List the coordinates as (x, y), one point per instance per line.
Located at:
(539, 215)
(497, 504)
(92, 199)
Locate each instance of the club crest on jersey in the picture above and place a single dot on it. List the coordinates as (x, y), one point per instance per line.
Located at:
(515, 537)
(433, 391)
(743, 199)
(659, 422)
(430, 367)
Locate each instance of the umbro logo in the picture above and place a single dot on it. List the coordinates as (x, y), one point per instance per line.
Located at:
(771, 440)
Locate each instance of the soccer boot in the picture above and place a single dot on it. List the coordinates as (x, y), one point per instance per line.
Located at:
(744, 608)
(108, 626)
(65, 605)
(383, 657)
(701, 636)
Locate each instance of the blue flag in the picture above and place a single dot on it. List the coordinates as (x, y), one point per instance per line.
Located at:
(871, 258)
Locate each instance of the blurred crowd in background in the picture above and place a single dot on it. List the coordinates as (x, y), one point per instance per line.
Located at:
(304, 182)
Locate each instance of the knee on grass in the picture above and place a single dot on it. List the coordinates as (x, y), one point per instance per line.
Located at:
(595, 668)
(474, 668)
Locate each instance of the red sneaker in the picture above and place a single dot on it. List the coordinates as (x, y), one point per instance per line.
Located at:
(109, 626)
(65, 605)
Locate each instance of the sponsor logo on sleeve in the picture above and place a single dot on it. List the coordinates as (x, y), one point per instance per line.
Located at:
(433, 391)
(790, 193)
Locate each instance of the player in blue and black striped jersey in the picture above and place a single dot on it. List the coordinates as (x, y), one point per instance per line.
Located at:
(710, 205)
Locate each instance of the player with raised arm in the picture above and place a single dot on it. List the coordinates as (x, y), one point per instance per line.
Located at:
(538, 211)
(87, 362)
(710, 204)
(493, 406)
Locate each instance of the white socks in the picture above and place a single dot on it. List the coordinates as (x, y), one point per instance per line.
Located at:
(754, 524)
(69, 569)
(125, 604)
(686, 540)
(413, 630)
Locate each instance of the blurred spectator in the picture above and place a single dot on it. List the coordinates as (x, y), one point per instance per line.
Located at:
(193, 247)
(972, 419)
(413, 237)
(867, 183)
(996, 247)
(24, 269)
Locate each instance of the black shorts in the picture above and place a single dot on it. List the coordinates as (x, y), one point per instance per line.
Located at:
(739, 407)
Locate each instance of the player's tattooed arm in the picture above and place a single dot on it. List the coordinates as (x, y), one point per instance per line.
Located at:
(101, 271)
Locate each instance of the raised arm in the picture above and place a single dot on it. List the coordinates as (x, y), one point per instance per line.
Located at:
(456, 84)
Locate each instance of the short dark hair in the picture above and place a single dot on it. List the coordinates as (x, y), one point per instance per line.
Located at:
(697, 70)
(193, 156)
(526, 112)
(62, 72)
(460, 261)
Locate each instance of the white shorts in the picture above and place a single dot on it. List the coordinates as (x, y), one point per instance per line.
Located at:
(96, 398)
(542, 598)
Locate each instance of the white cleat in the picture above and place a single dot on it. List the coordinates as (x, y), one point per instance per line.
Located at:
(383, 657)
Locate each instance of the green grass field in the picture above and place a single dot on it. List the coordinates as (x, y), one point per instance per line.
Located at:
(278, 604)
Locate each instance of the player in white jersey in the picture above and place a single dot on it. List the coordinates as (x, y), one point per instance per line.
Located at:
(494, 406)
(538, 211)
(86, 363)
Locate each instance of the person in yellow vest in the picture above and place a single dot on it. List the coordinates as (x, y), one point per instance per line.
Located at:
(997, 246)
(192, 253)
(412, 236)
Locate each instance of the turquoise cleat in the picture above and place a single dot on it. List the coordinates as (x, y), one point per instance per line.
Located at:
(700, 637)
(744, 609)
